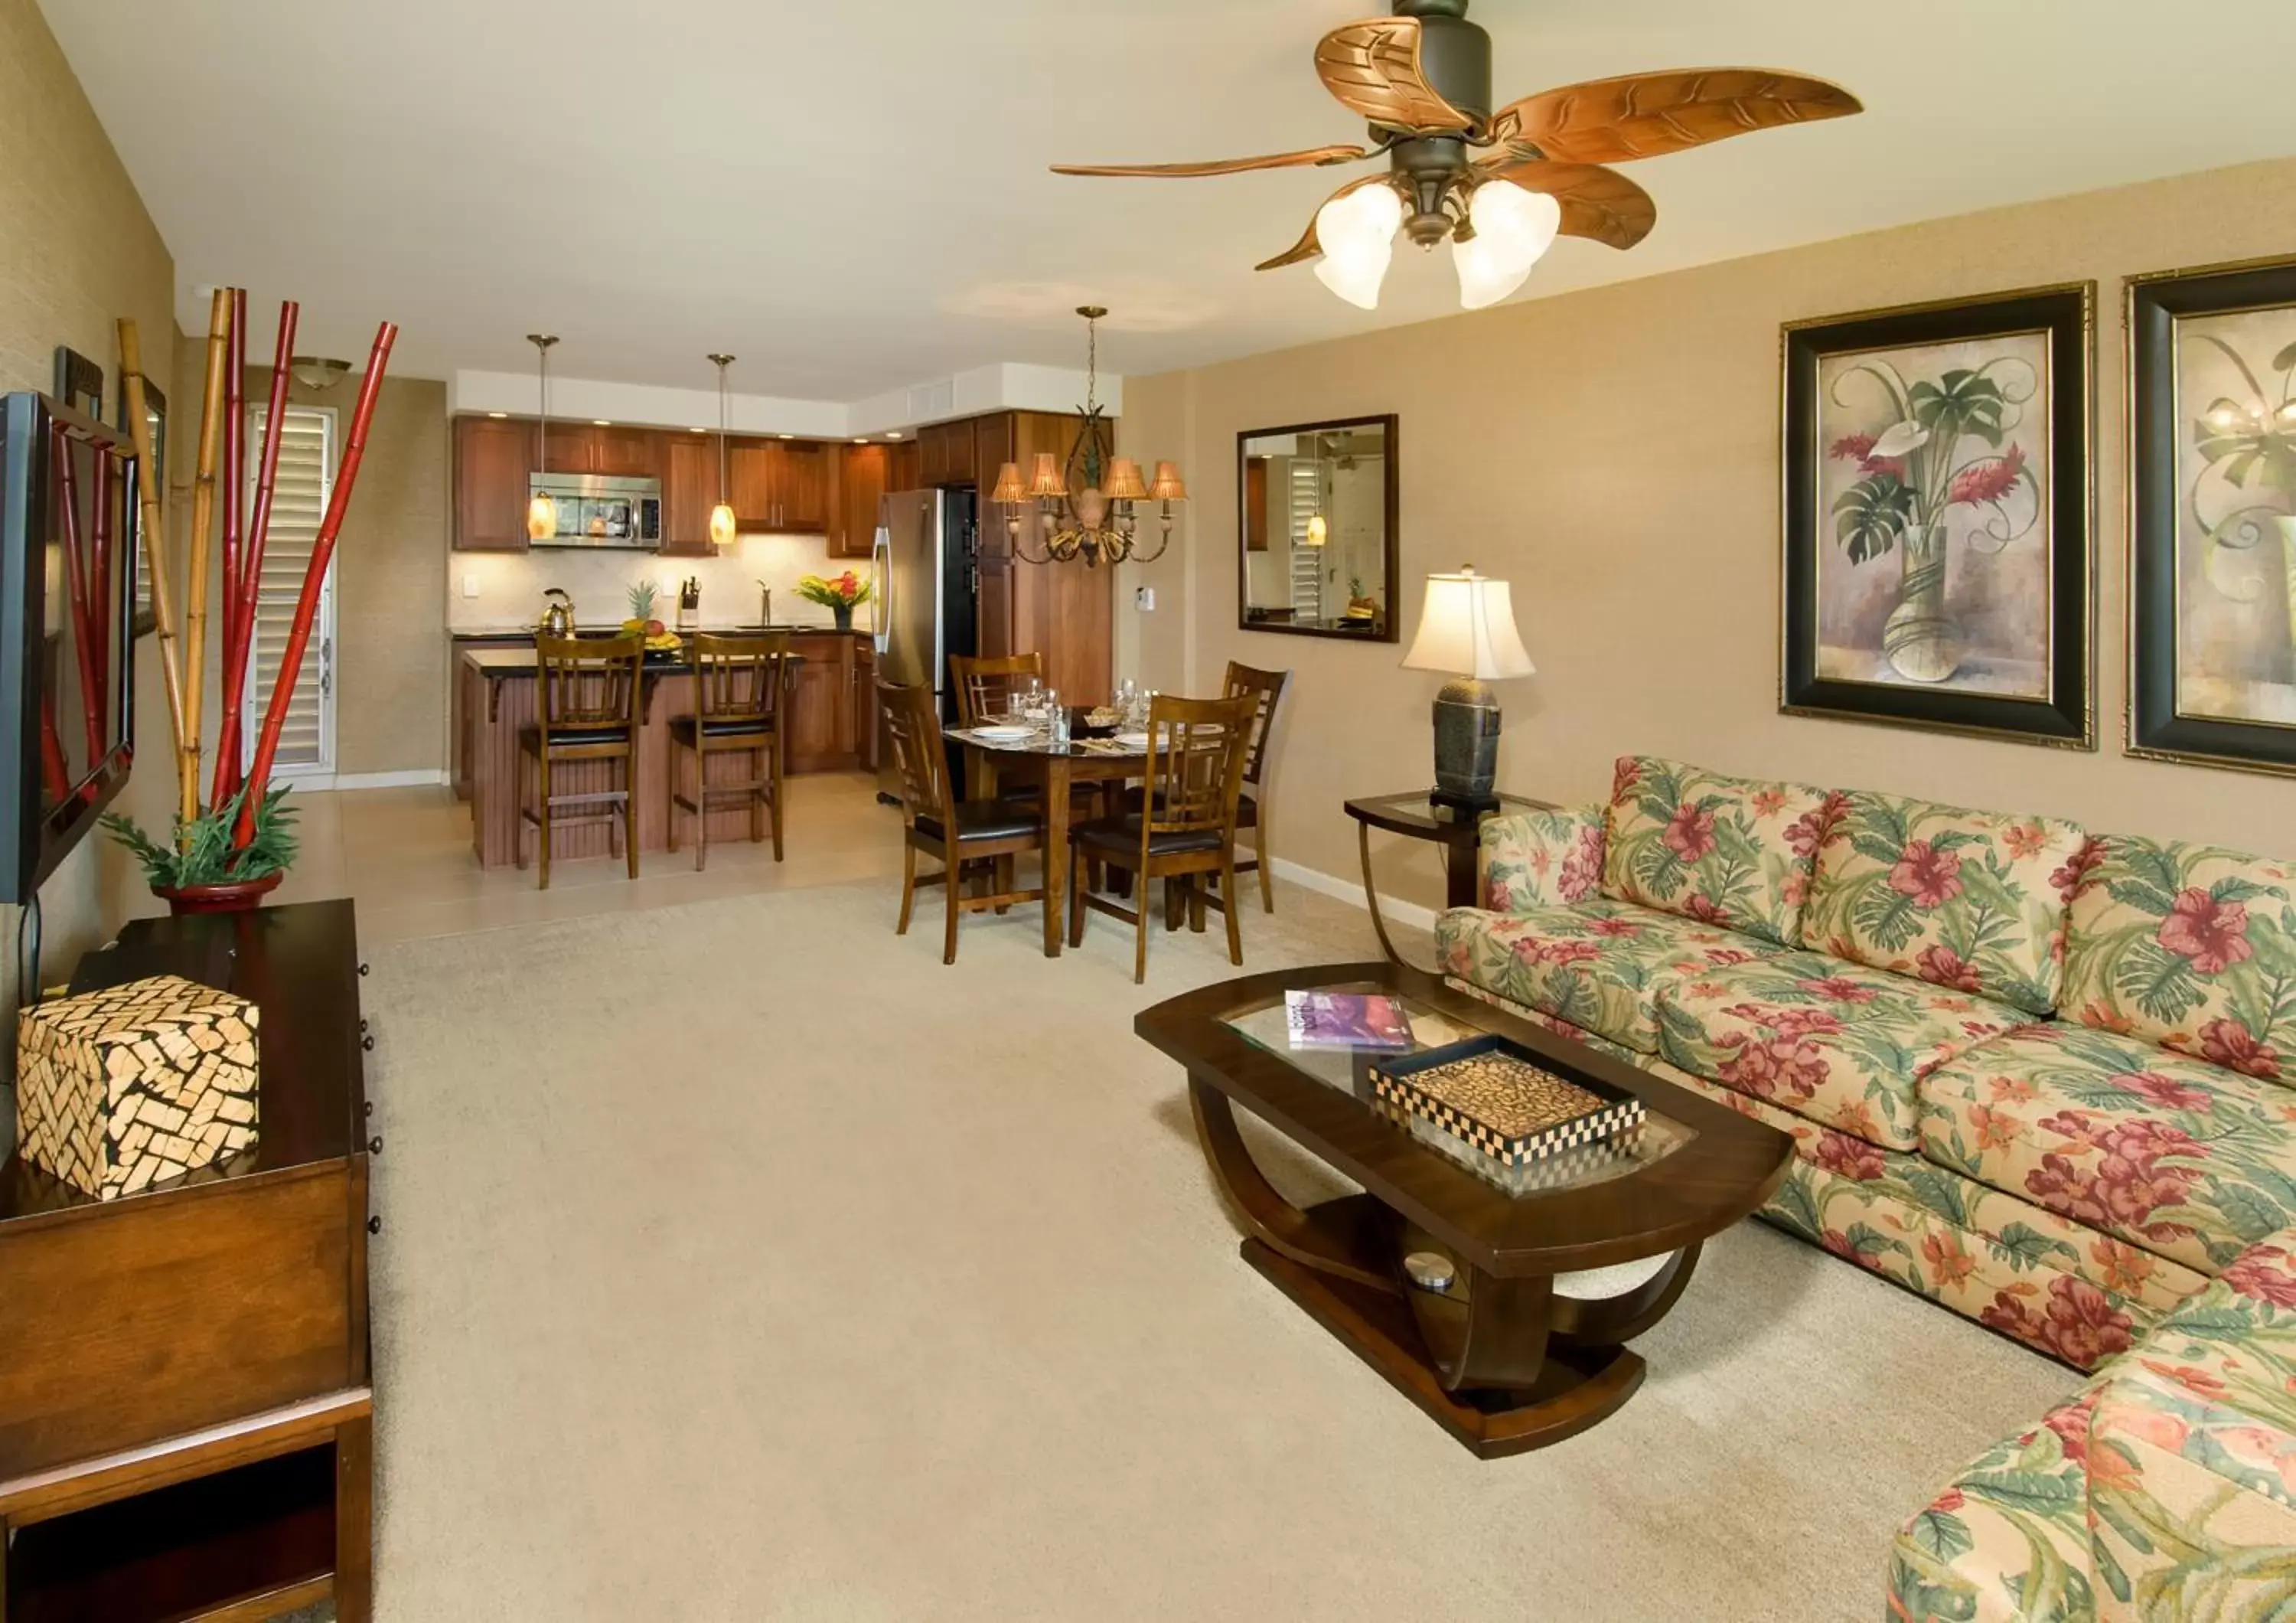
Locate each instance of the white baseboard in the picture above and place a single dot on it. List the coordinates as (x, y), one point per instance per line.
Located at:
(1351, 891)
(318, 783)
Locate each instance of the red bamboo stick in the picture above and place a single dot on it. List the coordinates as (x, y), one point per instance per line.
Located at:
(99, 570)
(239, 654)
(76, 586)
(307, 605)
(234, 460)
(53, 772)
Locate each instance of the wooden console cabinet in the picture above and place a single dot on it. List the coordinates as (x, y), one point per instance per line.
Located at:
(185, 1407)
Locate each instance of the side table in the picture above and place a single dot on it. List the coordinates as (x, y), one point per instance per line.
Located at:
(1416, 816)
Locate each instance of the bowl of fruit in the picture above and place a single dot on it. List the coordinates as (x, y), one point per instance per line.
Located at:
(661, 642)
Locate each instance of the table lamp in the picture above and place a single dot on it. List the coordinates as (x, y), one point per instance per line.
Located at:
(1467, 628)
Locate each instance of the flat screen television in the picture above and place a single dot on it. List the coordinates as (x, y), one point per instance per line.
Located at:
(70, 537)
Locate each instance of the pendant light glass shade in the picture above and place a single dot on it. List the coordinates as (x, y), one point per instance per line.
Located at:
(541, 512)
(1513, 228)
(1357, 232)
(722, 525)
(1319, 530)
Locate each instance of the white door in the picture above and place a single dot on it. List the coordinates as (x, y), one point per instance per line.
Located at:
(306, 480)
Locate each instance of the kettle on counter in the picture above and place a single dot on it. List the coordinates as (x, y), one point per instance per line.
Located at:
(557, 616)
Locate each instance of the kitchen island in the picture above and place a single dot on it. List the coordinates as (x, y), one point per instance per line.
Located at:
(828, 726)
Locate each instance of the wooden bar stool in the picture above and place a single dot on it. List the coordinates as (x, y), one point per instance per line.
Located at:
(1184, 829)
(586, 709)
(955, 833)
(739, 683)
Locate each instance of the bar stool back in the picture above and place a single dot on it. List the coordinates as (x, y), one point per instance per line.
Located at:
(586, 709)
(739, 686)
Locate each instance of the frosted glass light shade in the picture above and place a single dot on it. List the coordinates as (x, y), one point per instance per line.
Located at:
(1467, 628)
(1357, 234)
(1319, 530)
(721, 525)
(541, 517)
(1513, 228)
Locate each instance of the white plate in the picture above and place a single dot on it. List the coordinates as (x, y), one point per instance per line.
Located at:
(1000, 735)
(1136, 740)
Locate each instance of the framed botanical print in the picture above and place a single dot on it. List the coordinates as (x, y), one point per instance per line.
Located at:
(2212, 517)
(79, 383)
(1939, 569)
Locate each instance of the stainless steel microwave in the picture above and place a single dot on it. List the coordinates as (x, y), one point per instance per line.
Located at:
(596, 511)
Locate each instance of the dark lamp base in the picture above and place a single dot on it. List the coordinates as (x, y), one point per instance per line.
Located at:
(1487, 800)
(1466, 745)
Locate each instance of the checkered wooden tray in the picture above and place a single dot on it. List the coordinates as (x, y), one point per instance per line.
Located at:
(1504, 1100)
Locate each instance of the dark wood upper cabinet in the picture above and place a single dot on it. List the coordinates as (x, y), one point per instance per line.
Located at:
(995, 443)
(946, 454)
(626, 453)
(750, 479)
(901, 467)
(688, 490)
(780, 485)
(568, 448)
(863, 471)
(492, 458)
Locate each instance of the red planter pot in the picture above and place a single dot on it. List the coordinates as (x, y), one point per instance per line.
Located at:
(234, 896)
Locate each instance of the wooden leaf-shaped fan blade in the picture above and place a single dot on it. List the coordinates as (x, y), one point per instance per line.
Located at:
(1373, 68)
(1596, 202)
(1647, 115)
(1308, 247)
(1226, 166)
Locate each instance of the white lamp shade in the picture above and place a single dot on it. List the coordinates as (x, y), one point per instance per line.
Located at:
(1513, 230)
(1357, 234)
(1467, 628)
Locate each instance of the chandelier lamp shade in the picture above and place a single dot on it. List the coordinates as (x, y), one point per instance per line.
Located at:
(1467, 632)
(1087, 509)
(541, 512)
(722, 527)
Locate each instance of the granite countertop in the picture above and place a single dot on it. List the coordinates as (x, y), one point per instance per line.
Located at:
(493, 633)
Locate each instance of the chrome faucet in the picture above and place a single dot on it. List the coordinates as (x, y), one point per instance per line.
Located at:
(766, 607)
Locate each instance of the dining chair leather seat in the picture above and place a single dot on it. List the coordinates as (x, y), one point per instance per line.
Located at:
(682, 727)
(987, 820)
(531, 735)
(1121, 835)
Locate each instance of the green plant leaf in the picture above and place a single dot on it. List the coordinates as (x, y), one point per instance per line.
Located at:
(1870, 516)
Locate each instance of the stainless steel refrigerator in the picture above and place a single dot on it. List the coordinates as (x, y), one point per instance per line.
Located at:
(922, 572)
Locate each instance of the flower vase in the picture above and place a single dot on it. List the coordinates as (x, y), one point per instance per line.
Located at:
(844, 613)
(1921, 640)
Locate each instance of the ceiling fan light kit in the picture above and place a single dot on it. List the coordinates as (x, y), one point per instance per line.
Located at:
(1498, 185)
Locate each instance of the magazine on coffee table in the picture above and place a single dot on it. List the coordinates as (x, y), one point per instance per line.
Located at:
(1346, 1019)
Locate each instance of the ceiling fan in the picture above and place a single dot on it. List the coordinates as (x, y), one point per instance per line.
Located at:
(1500, 185)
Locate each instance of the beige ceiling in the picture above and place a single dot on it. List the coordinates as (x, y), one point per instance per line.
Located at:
(851, 194)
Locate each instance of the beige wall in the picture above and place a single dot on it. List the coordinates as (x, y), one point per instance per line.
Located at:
(77, 251)
(1614, 453)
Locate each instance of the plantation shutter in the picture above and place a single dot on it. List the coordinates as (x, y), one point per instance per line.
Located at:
(1306, 562)
(307, 479)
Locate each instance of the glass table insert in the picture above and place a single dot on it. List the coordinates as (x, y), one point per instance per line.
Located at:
(1348, 1069)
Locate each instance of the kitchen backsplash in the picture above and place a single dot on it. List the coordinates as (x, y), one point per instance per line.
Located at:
(510, 584)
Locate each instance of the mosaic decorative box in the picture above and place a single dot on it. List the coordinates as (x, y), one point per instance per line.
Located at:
(126, 1087)
(1504, 1102)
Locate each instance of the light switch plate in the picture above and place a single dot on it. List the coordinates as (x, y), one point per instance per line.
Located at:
(470, 586)
(1144, 597)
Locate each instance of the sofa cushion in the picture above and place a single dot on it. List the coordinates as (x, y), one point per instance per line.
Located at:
(1967, 899)
(1842, 1045)
(1542, 858)
(1722, 850)
(2008, 1542)
(1598, 965)
(2166, 1153)
(2192, 947)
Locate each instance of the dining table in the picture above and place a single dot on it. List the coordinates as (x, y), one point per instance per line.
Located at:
(994, 753)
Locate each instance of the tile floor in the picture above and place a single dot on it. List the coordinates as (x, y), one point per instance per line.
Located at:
(404, 856)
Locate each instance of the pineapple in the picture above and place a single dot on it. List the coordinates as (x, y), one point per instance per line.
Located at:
(641, 597)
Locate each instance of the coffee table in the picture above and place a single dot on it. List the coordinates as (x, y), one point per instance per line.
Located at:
(1525, 1343)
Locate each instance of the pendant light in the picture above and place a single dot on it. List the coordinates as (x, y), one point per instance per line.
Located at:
(541, 512)
(721, 516)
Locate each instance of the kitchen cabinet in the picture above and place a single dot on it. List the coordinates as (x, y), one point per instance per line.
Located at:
(780, 485)
(820, 735)
(689, 490)
(901, 467)
(946, 455)
(492, 458)
(993, 446)
(862, 471)
(866, 728)
(612, 452)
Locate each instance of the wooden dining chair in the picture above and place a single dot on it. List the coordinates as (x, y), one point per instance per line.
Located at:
(585, 709)
(984, 685)
(739, 686)
(1183, 829)
(1266, 687)
(956, 833)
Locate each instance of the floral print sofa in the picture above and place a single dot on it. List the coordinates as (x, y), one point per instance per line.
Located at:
(2033, 1073)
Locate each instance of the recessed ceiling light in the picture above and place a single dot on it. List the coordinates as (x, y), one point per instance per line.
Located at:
(789, 436)
(894, 435)
(700, 430)
(601, 423)
(861, 442)
(497, 413)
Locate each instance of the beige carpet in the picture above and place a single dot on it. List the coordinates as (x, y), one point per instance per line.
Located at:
(739, 1261)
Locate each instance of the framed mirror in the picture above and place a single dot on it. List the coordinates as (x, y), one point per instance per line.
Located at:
(1316, 532)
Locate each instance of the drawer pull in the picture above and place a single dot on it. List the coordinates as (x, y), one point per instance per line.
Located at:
(362, 968)
(374, 1145)
(367, 1042)
(366, 1107)
(375, 1225)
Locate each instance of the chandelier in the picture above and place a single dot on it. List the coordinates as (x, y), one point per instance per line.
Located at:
(1085, 507)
